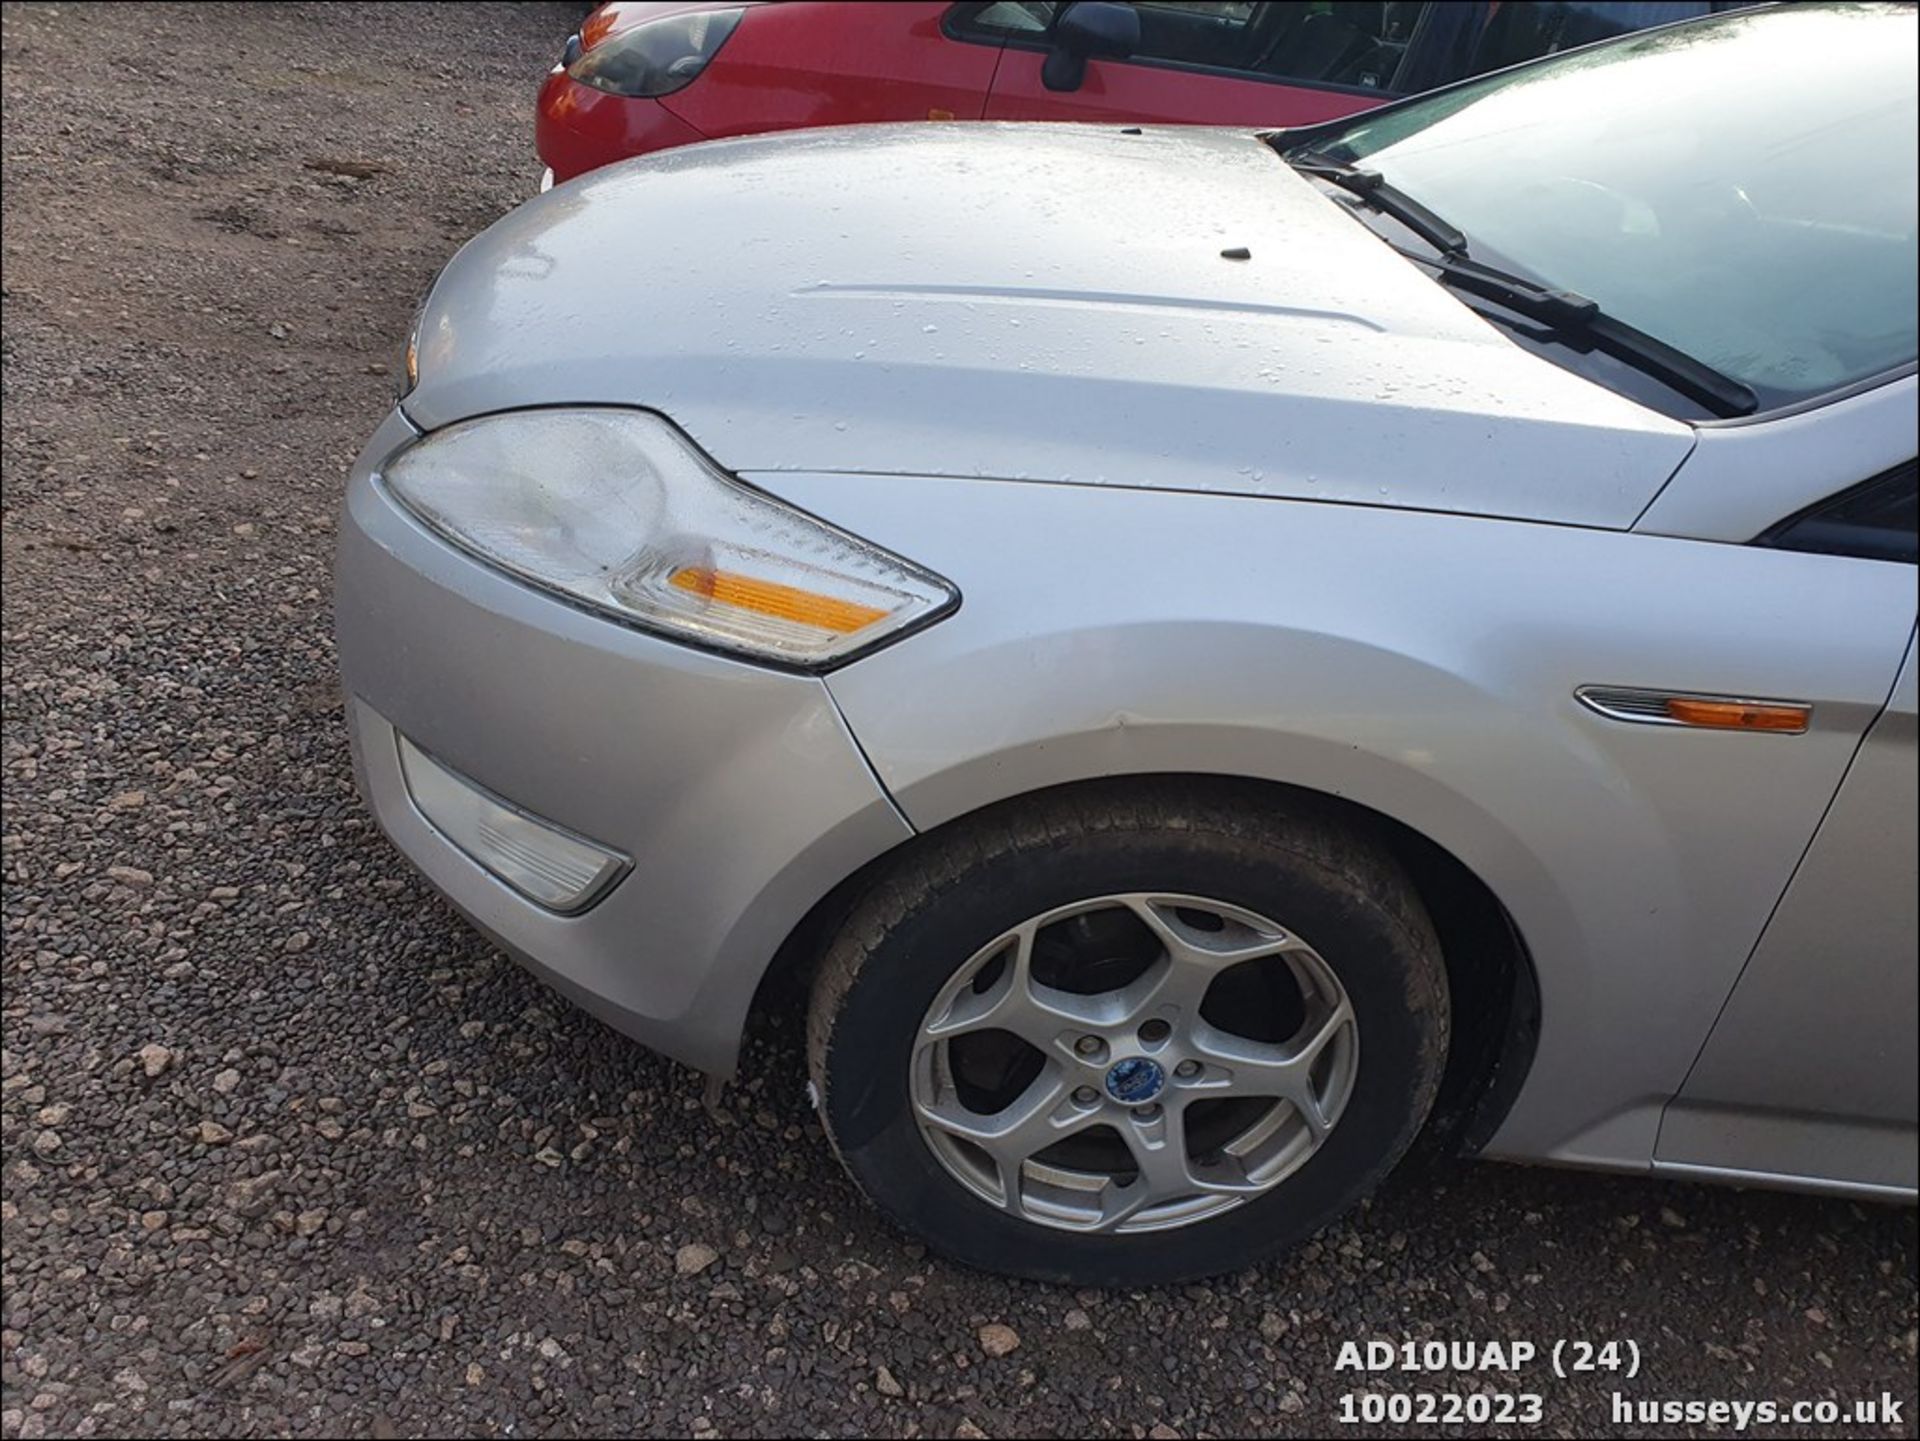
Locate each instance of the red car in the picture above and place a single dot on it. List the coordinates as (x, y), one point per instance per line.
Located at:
(645, 77)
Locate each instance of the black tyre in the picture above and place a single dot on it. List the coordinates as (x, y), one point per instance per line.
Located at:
(1129, 1034)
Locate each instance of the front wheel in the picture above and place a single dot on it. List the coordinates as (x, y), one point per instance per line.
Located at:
(1128, 1037)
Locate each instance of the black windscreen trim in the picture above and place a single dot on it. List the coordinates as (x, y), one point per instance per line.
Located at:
(1833, 526)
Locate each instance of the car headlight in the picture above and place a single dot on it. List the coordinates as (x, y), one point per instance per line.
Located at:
(410, 357)
(617, 511)
(656, 57)
(409, 365)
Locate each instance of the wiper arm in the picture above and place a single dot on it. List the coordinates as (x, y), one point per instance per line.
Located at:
(1565, 310)
(1374, 188)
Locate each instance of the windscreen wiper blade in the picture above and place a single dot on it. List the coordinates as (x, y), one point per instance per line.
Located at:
(1566, 310)
(1563, 310)
(1374, 188)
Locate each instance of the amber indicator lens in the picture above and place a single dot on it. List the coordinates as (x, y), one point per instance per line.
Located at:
(1735, 715)
(782, 602)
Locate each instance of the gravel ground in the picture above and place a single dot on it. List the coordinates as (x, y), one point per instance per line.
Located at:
(289, 1150)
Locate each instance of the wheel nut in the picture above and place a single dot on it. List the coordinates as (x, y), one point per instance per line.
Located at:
(1085, 1096)
(1088, 1045)
(1148, 1112)
(1187, 1070)
(1154, 1032)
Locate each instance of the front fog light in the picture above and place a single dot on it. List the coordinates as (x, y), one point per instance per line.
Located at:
(545, 864)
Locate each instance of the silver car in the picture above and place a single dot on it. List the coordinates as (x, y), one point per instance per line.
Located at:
(1211, 653)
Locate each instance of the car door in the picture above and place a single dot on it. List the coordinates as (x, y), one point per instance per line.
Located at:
(803, 65)
(1810, 1071)
(1274, 63)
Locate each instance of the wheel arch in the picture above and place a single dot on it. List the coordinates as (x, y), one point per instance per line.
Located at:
(1490, 968)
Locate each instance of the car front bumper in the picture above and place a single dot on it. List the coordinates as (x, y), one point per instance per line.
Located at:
(577, 128)
(736, 793)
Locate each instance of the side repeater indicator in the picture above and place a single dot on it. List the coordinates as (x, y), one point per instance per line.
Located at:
(1696, 712)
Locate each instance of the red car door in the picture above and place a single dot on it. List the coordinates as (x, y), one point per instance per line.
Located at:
(1273, 63)
(838, 64)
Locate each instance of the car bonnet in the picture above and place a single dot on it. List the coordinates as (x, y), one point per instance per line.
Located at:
(1104, 305)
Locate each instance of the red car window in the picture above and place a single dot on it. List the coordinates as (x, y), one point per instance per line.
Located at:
(1283, 62)
(1358, 43)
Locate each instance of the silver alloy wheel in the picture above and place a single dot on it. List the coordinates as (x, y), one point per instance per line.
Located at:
(1129, 1074)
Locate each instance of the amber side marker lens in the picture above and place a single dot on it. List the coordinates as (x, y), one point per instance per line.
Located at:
(771, 598)
(1734, 715)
